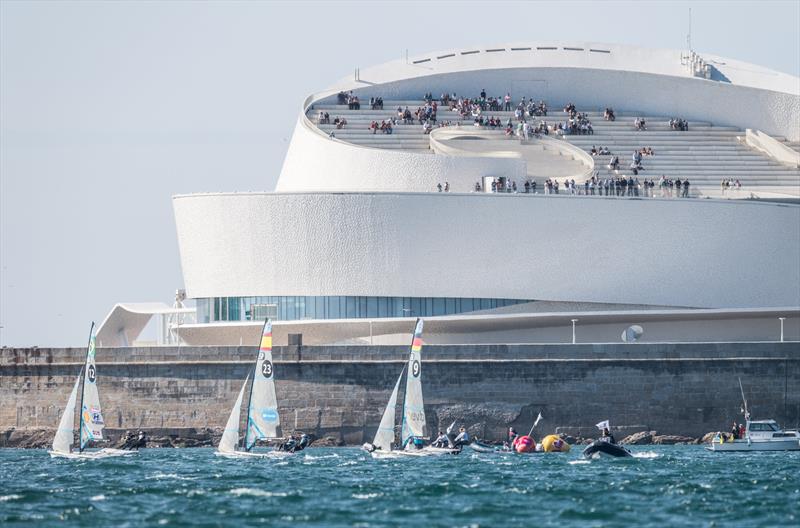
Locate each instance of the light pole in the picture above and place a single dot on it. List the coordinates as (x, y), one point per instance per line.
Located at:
(782, 319)
(573, 330)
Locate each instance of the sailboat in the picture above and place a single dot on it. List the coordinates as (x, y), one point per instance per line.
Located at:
(413, 426)
(91, 416)
(262, 421)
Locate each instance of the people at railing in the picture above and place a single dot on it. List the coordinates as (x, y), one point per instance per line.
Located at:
(728, 184)
(353, 102)
(677, 123)
(376, 103)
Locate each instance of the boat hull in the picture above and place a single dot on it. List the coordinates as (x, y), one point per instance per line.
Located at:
(88, 455)
(788, 444)
(424, 452)
(253, 454)
(601, 448)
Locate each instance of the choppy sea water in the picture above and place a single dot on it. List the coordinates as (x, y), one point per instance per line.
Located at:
(330, 487)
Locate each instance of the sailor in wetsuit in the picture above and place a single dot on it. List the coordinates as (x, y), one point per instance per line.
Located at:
(413, 444)
(607, 436)
(463, 438)
(132, 443)
(305, 441)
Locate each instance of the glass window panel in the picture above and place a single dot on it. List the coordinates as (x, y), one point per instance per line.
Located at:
(372, 307)
(450, 305)
(416, 306)
(362, 307)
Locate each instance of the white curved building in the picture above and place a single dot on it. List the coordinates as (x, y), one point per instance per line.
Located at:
(357, 230)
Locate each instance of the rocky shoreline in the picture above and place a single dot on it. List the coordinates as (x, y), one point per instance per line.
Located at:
(208, 437)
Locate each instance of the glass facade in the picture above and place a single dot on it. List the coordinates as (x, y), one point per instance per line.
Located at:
(336, 307)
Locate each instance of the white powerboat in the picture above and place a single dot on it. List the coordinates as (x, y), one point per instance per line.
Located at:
(760, 435)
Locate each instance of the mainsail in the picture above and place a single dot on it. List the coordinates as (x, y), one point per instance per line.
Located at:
(384, 438)
(230, 436)
(91, 415)
(64, 435)
(414, 407)
(263, 420)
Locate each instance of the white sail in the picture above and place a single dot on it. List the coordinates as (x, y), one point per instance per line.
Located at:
(230, 436)
(65, 433)
(384, 437)
(263, 420)
(414, 407)
(91, 415)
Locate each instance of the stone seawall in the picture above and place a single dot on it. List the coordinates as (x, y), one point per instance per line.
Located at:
(683, 388)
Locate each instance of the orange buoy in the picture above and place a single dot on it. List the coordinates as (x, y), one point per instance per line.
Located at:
(524, 444)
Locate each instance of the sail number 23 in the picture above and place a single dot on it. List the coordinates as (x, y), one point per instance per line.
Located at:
(266, 369)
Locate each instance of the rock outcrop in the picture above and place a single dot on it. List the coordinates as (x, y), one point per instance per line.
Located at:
(640, 438)
(673, 439)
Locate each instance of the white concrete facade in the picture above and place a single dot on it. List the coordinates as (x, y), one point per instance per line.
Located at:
(690, 253)
(350, 220)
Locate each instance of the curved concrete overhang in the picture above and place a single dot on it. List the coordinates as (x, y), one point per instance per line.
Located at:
(595, 326)
(125, 321)
(692, 253)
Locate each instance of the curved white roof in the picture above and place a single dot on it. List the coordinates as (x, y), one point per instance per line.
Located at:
(572, 54)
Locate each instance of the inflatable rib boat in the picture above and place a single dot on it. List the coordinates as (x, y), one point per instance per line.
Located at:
(600, 448)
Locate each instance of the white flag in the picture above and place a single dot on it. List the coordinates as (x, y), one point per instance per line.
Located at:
(603, 425)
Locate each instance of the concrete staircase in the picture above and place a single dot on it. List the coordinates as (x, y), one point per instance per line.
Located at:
(705, 154)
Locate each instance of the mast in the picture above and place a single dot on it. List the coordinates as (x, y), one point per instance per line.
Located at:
(744, 401)
(83, 383)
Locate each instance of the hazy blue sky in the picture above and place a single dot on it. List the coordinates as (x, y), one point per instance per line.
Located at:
(108, 109)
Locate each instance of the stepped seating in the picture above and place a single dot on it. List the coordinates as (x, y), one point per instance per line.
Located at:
(705, 154)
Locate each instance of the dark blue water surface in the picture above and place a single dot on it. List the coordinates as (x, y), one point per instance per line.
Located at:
(666, 486)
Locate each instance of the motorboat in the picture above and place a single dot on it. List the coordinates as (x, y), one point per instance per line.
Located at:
(759, 435)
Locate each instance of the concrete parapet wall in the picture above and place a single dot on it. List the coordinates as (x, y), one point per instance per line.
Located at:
(684, 388)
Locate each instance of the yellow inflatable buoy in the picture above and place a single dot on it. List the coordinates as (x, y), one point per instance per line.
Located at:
(554, 444)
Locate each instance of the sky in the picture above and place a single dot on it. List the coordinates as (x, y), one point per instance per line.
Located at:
(108, 109)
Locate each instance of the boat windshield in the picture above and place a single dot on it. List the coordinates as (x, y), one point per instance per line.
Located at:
(764, 427)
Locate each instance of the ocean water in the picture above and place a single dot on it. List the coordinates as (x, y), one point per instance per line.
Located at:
(331, 487)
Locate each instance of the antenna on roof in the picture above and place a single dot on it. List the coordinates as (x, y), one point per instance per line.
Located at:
(689, 35)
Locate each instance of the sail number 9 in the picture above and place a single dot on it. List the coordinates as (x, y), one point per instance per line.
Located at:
(415, 368)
